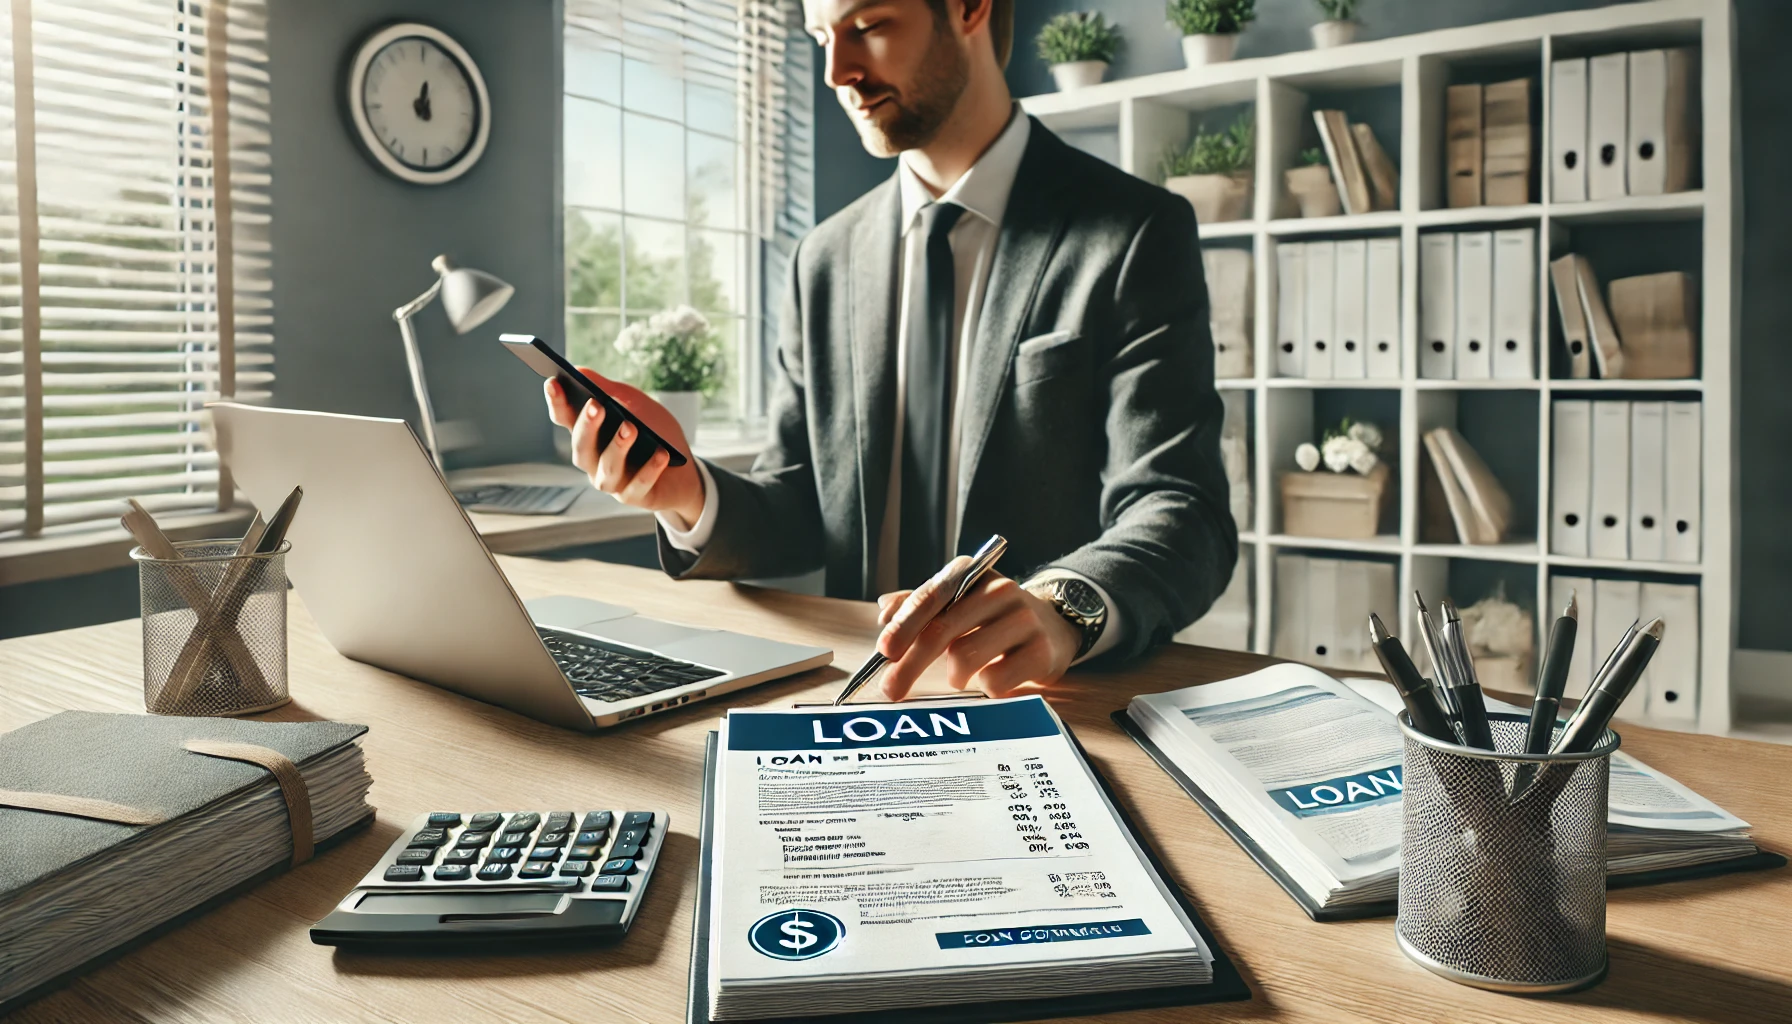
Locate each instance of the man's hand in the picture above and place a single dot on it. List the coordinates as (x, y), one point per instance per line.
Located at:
(653, 486)
(997, 636)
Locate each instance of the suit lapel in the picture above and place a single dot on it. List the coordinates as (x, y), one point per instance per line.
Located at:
(872, 309)
(1032, 226)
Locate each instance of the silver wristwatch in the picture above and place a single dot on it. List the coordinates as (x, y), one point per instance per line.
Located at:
(1079, 603)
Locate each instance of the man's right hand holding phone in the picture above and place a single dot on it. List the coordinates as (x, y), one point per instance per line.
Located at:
(677, 491)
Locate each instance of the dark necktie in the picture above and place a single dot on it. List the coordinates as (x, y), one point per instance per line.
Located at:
(927, 403)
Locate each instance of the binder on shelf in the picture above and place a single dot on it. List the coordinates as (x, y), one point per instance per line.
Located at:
(1608, 531)
(1322, 311)
(1662, 131)
(1673, 674)
(1347, 164)
(1648, 448)
(1474, 305)
(1580, 666)
(1322, 611)
(1291, 309)
(1617, 604)
(1383, 301)
(1384, 177)
(1655, 314)
(1506, 143)
(1352, 322)
(1571, 476)
(1514, 303)
(1564, 279)
(1602, 334)
(1683, 477)
(1462, 131)
(1568, 130)
(1608, 90)
(1479, 504)
(1289, 636)
(1229, 307)
(1350, 609)
(1437, 306)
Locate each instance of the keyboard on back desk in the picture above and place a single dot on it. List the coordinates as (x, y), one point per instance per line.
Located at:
(612, 672)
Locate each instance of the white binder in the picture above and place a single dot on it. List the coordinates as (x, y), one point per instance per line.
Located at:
(1568, 130)
(1437, 306)
(1661, 126)
(1352, 319)
(1289, 630)
(1580, 667)
(1683, 482)
(1673, 674)
(1291, 309)
(1322, 612)
(1322, 312)
(1616, 605)
(1474, 305)
(1514, 303)
(1608, 115)
(1608, 531)
(1383, 362)
(1648, 450)
(1350, 616)
(1564, 280)
(1571, 477)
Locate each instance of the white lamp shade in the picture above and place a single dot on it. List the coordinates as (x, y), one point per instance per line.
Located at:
(470, 297)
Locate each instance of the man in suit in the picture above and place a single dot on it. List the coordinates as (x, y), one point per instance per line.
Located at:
(1008, 336)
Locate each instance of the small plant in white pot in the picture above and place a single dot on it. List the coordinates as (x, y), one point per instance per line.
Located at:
(1079, 46)
(677, 358)
(1340, 25)
(1312, 187)
(1213, 172)
(1210, 27)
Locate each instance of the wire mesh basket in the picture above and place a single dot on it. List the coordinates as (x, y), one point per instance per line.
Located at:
(1502, 861)
(214, 629)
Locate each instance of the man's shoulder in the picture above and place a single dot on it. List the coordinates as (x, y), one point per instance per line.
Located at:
(833, 237)
(1098, 184)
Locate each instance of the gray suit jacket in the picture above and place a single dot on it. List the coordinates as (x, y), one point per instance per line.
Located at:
(1090, 425)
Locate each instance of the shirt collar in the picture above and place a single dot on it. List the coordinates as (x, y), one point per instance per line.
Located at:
(982, 190)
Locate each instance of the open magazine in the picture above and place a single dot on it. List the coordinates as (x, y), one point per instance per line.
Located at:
(1309, 768)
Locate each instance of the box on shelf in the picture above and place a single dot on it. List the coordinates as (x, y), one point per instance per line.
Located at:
(1339, 506)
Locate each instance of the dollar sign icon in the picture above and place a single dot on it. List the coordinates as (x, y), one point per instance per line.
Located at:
(801, 935)
(796, 934)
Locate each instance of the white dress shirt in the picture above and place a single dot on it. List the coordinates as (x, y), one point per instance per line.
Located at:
(983, 192)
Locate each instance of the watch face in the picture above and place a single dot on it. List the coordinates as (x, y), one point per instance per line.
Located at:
(420, 103)
(1082, 598)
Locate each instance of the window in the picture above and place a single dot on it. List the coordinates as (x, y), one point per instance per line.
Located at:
(135, 276)
(687, 173)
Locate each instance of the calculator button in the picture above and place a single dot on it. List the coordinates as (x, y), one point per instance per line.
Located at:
(494, 872)
(592, 838)
(631, 835)
(609, 883)
(473, 839)
(559, 821)
(444, 819)
(503, 855)
(461, 857)
(404, 873)
(595, 821)
(619, 866)
(514, 839)
(551, 839)
(485, 822)
(576, 868)
(535, 871)
(453, 873)
(547, 853)
(625, 850)
(585, 851)
(523, 822)
(417, 855)
(429, 837)
(638, 819)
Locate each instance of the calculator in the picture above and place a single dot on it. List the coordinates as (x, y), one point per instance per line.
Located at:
(502, 878)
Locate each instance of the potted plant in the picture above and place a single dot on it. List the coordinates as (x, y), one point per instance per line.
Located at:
(1210, 27)
(1346, 503)
(1311, 185)
(1339, 27)
(1213, 172)
(677, 359)
(1079, 46)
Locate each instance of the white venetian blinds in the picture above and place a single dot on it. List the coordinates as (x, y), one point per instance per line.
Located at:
(135, 273)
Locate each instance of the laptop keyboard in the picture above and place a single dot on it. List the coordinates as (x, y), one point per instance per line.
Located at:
(615, 673)
(519, 499)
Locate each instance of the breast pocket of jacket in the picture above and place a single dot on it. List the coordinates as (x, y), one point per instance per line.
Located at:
(1058, 354)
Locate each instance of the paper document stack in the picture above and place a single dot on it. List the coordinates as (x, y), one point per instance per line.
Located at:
(924, 855)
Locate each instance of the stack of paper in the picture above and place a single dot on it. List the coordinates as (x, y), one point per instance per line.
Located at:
(73, 887)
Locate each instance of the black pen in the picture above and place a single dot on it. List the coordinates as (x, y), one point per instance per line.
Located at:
(1595, 713)
(1415, 690)
(1612, 655)
(1466, 691)
(1553, 678)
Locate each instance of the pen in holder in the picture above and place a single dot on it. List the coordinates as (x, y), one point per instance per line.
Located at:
(214, 629)
(1502, 861)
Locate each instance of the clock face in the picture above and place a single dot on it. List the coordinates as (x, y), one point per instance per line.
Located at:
(419, 104)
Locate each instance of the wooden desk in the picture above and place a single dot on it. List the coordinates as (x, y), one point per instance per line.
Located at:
(1712, 951)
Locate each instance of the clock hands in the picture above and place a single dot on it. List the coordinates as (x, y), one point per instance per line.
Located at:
(421, 103)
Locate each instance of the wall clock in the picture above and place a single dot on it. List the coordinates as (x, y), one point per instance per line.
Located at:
(418, 103)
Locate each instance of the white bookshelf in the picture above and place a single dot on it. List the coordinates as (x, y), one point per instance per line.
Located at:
(1133, 121)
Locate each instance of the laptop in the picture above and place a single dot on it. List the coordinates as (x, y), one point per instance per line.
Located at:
(396, 576)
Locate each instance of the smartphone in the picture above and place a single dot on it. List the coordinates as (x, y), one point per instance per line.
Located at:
(550, 364)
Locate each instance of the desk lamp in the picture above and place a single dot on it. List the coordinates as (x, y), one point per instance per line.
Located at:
(469, 297)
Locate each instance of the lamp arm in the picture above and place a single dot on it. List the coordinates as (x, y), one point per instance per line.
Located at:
(415, 306)
(426, 413)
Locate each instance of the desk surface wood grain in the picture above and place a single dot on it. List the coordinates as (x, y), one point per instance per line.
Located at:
(1713, 950)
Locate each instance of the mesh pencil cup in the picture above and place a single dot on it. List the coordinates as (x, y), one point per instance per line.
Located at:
(1502, 861)
(214, 629)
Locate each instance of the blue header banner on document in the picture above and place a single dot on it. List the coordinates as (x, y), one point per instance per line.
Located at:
(1347, 792)
(902, 726)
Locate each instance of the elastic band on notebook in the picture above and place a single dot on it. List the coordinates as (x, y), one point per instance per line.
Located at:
(292, 785)
(79, 807)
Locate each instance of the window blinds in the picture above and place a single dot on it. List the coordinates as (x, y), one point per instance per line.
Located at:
(135, 271)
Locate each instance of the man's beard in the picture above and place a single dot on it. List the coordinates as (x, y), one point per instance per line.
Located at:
(920, 114)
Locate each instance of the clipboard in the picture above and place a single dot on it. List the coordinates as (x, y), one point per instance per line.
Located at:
(1227, 984)
(1761, 860)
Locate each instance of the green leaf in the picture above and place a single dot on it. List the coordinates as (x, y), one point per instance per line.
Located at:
(1078, 35)
(1210, 17)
